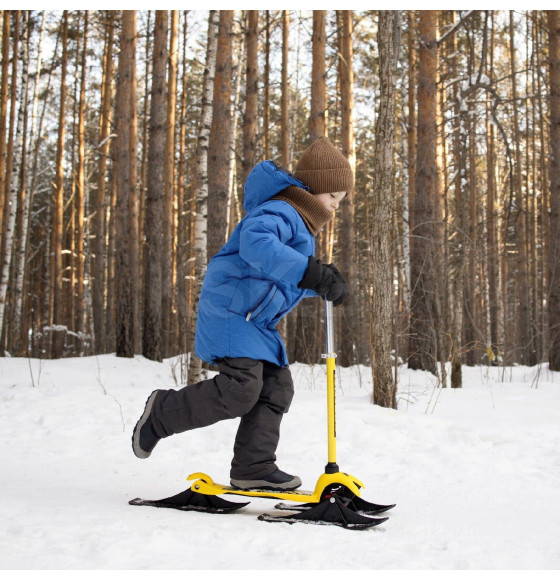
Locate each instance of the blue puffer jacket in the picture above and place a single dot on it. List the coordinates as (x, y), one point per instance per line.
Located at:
(251, 283)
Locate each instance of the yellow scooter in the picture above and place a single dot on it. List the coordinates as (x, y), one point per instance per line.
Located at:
(334, 501)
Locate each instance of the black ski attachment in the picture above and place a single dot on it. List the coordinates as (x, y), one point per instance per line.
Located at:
(188, 500)
(331, 512)
(348, 498)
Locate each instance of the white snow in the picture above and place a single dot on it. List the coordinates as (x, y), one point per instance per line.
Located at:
(475, 473)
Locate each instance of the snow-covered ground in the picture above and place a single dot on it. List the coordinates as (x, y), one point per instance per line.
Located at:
(475, 473)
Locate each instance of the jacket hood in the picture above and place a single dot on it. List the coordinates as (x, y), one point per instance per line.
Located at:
(264, 182)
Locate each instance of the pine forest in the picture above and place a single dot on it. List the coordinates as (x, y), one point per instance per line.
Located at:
(126, 138)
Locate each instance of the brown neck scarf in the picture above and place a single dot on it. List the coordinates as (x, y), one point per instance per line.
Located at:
(313, 212)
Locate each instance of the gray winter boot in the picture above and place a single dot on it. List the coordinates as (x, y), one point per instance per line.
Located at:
(144, 438)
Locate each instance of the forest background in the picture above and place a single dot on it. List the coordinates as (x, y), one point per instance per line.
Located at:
(126, 136)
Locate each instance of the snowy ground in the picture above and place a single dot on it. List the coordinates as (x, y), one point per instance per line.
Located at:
(475, 473)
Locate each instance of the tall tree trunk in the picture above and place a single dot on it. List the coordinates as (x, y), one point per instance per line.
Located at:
(19, 334)
(99, 217)
(183, 221)
(169, 198)
(152, 339)
(200, 229)
(317, 119)
(16, 179)
(55, 268)
(143, 169)
(81, 189)
(524, 345)
(3, 115)
(133, 204)
(494, 300)
(126, 242)
(424, 315)
(554, 234)
(408, 190)
(220, 138)
(285, 93)
(9, 212)
(350, 320)
(266, 87)
(233, 205)
(307, 345)
(458, 250)
(251, 94)
(384, 388)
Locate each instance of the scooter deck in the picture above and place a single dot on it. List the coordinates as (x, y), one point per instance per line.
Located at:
(205, 484)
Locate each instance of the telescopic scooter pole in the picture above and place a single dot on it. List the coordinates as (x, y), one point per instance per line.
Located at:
(330, 357)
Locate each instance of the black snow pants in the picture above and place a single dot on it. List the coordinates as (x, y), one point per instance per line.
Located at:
(257, 391)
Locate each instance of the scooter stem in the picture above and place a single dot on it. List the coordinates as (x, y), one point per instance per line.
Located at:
(330, 357)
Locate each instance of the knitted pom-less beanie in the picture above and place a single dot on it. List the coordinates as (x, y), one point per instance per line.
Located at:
(324, 169)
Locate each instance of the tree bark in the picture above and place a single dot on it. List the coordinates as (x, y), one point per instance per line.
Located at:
(384, 387)
(183, 218)
(98, 261)
(200, 233)
(168, 277)
(251, 94)
(126, 242)
(554, 220)
(16, 197)
(81, 194)
(317, 119)
(3, 115)
(424, 314)
(350, 319)
(55, 267)
(220, 138)
(152, 339)
(266, 88)
(524, 344)
(285, 96)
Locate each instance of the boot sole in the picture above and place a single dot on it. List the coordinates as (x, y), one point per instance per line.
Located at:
(252, 484)
(138, 451)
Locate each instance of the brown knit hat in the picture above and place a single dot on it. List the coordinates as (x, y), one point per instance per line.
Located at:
(324, 169)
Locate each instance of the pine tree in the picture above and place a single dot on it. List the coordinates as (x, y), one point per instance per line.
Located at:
(152, 327)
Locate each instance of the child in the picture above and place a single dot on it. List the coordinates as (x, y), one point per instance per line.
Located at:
(262, 272)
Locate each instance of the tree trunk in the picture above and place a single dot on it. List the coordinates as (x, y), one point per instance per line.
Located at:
(424, 315)
(317, 119)
(126, 241)
(99, 217)
(3, 115)
(409, 184)
(200, 236)
(350, 319)
(384, 387)
(494, 299)
(285, 95)
(233, 202)
(251, 94)
(169, 197)
(19, 332)
(524, 344)
(554, 234)
(81, 195)
(55, 269)
(16, 180)
(183, 218)
(220, 138)
(152, 339)
(266, 88)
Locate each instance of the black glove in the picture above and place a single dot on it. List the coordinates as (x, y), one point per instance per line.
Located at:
(326, 280)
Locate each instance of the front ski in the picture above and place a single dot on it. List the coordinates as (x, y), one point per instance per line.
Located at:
(188, 500)
(329, 512)
(348, 498)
